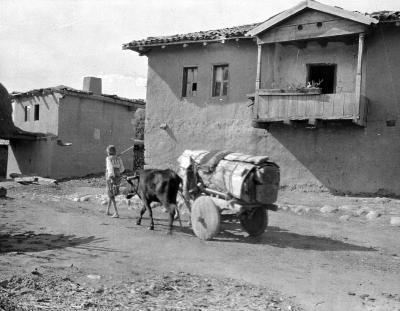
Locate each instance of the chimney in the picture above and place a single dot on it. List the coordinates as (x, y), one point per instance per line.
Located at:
(92, 84)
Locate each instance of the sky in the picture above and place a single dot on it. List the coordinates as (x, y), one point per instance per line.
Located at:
(45, 43)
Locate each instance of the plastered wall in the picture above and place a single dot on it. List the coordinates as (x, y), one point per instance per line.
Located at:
(91, 126)
(88, 125)
(48, 114)
(340, 158)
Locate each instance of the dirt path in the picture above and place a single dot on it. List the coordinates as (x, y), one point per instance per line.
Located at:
(317, 261)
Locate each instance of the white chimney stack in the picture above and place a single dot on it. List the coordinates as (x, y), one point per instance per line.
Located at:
(92, 84)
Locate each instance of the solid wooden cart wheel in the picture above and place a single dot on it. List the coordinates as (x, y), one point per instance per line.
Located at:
(255, 222)
(206, 219)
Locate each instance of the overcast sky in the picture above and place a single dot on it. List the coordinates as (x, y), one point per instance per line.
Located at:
(46, 43)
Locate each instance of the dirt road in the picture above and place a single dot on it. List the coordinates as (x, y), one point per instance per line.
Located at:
(317, 261)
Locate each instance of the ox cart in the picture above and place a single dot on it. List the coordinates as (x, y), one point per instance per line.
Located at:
(216, 182)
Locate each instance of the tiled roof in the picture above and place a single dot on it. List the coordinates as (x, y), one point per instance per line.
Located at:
(226, 33)
(71, 91)
(210, 35)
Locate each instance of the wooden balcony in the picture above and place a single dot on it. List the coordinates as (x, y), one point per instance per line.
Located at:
(286, 107)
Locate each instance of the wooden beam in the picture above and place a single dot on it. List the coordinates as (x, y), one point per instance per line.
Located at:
(258, 76)
(359, 67)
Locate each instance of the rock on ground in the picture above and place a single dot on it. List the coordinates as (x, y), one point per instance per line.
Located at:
(372, 215)
(395, 221)
(328, 209)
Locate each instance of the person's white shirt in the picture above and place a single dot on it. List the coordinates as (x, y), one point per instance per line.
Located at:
(113, 162)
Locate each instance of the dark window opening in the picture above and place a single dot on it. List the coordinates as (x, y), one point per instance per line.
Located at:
(26, 110)
(220, 80)
(325, 75)
(189, 85)
(36, 114)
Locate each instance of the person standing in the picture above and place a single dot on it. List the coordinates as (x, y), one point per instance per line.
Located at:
(114, 169)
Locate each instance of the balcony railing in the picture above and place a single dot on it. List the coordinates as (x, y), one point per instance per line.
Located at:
(271, 106)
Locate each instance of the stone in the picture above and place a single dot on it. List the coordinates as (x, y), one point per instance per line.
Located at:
(328, 209)
(372, 215)
(85, 198)
(364, 296)
(4, 283)
(395, 221)
(301, 209)
(344, 217)
(75, 199)
(104, 202)
(347, 208)
(94, 277)
(283, 207)
(361, 211)
(297, 210)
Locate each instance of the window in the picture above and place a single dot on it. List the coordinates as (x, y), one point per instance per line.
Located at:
(189, 87)
(324, 73)
(26, 110)
(36, 114)
(220, 80)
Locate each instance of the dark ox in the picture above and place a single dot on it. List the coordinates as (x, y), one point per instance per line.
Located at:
(153, 185)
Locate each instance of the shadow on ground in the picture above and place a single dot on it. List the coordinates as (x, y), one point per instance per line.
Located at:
(32, 242)
(232, 232)
(277, 237)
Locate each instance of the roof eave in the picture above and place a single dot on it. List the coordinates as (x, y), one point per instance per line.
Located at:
(142, 49)
(100, 97)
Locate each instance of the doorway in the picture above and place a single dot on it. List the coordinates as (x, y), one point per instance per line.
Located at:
(3, 161)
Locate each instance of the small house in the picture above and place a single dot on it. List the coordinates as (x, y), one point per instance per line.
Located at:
(72, 130)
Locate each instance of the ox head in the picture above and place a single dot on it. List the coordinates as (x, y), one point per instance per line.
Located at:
(133, 181)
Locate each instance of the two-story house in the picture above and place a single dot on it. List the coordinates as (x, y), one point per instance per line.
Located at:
(316, 88)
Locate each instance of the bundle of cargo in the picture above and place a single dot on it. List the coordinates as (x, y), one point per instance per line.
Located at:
(247, 185)
(252, 179)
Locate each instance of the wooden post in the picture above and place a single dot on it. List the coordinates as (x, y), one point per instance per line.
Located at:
(258, 80)
(361, 37)
(359, 64)
(258, 77)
